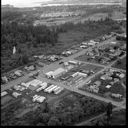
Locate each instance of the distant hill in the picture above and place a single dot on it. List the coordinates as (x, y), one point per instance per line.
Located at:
(75, 2)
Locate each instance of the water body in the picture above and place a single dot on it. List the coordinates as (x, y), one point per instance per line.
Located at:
(38, 3)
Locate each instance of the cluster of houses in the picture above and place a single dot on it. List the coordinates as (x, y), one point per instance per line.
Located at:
(11, 76)
(37, 86)
(107, 53)
(113, 75)
(51, 58)
(59, 14)
(16, 74)
(85, 44)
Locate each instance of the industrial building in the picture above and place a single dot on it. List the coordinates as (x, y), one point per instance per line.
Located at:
(54, 74)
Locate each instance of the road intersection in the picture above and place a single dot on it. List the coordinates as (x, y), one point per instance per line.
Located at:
(55, 65)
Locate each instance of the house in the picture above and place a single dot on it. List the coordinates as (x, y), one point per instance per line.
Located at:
(79, 74)
(114, 95)
(108, 86)
(18, 73)
(40, 99)
(97, 83)
(113, 42)
(49, 74)
(116, 80)
(69, 67)
(84, 43)
(35, 82)
(122, 75)
(4, 79)
(66, 64)
(66, 53)
(94, 89)
(30, 68)
(16, 94)
(83, 46)
(4, 93)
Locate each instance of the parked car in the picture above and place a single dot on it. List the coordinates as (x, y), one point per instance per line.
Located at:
(61, 62)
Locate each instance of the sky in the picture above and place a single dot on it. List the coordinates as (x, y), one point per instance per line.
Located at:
(23, 3)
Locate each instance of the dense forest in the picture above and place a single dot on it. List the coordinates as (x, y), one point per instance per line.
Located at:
(23, 37)
(67, 112)
(30, 40)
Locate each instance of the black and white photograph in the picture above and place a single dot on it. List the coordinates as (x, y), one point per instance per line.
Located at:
(63, 62)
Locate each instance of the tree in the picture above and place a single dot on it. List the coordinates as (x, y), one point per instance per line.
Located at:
(66, 118)
(40, 124)
(44, 117)
(109, 112)
(25, 59)
(118, 62)
(54, 121)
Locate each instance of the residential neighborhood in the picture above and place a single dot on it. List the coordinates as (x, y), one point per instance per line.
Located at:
(71, 74)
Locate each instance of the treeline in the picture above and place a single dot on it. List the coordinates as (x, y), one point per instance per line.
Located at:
(93, 29)
(24, 37)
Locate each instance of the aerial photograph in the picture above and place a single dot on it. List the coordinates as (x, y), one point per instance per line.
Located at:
(63, 62)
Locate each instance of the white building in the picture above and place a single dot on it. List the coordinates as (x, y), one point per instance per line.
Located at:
(3, 93)
(73, 62)
(18, 73)
(80, 74)
(4, 79)
(49, 74)
(58, 72)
